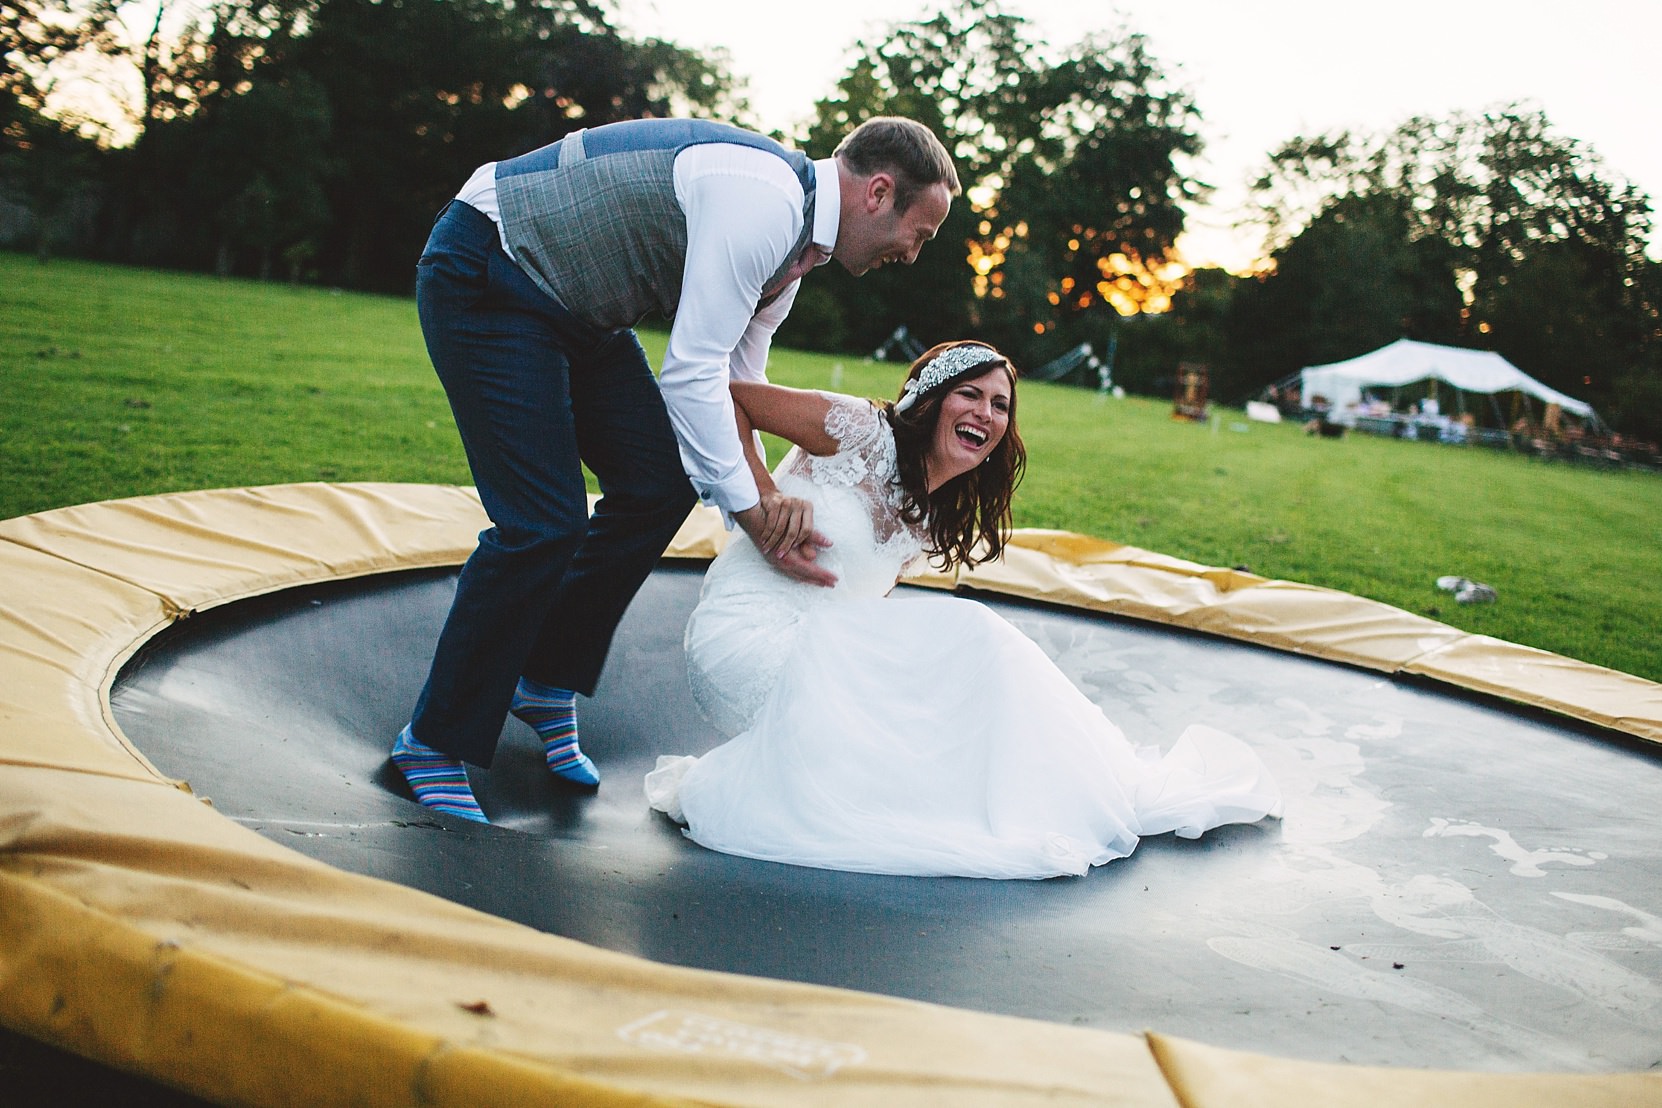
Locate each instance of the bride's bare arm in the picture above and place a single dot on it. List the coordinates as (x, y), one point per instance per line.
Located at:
(796, 415)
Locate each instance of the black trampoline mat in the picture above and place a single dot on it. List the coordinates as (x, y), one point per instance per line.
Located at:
(1457, 884)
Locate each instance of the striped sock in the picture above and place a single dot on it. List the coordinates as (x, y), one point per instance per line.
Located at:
(552, 714)
(438, 780)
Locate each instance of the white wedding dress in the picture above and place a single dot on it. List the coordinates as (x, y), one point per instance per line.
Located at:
(904, 735)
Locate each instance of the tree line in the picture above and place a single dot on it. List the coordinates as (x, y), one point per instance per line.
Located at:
(314, 140)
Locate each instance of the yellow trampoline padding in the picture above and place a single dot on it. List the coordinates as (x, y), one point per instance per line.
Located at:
(195, 550)
(1321, 623)
(162, 938)
(1134, 583)
(145, 930)
(1606, 697)
(1212, 1077)
(60, 644)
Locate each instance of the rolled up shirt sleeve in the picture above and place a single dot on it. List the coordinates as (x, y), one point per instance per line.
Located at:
(744, 214)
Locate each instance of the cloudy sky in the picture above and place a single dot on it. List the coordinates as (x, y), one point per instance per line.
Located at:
(1263, 71)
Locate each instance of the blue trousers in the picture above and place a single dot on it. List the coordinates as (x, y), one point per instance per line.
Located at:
(537, 394)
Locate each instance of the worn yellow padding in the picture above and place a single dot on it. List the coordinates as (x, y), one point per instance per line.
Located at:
(1211, 1077)
(142, 929)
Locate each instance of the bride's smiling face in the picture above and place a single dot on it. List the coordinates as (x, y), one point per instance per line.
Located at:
(974, 414)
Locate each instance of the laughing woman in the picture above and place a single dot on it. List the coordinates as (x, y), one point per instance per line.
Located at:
(914, 735)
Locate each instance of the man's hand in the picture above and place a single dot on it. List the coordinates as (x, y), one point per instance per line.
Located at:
(782, 527)
(786, 522)
(799, 562)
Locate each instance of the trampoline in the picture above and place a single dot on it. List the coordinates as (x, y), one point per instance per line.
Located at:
(213, 877)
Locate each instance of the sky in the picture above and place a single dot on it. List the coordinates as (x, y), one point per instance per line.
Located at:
(1263, 71)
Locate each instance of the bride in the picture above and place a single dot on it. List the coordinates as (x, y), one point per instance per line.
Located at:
(914, 735)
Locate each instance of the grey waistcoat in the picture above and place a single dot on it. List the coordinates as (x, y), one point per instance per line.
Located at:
(593, 218)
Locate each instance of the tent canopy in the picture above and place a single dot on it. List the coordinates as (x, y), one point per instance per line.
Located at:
(1405, 361)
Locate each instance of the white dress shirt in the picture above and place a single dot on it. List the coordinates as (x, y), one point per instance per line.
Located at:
(744, 213)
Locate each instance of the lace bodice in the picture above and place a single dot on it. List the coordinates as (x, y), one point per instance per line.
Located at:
(748, 612)
(864, 464)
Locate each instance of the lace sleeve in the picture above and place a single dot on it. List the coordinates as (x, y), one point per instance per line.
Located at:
(864, 451)
(856, 424)
(866, 466)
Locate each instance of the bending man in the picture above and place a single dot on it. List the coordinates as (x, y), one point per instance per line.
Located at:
(528, 292)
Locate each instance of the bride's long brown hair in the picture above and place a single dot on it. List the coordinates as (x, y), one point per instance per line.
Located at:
(968, 518)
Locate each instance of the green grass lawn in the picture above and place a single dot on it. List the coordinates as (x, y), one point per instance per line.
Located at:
(119, 382)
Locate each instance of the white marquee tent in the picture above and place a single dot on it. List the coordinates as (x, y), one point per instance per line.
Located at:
(1405, 362)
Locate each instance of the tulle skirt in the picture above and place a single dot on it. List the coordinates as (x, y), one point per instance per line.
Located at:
(930, 737)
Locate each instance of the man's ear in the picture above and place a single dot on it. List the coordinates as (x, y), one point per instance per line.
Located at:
(879, 187)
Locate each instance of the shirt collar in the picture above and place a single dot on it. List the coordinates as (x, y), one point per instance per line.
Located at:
(828, 207)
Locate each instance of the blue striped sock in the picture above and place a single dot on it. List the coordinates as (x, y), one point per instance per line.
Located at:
(438, 780)
(552, 714)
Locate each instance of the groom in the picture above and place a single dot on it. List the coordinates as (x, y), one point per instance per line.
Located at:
(528, 291)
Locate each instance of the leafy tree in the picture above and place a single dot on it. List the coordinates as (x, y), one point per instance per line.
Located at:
(1068, 162)
(37, 34)
(1636, 402)
(418, 96)
(1559, 258)
(1150, 347)
(216, 148)
(1352, 281)
(1488, 231)
(961, 74)
(49, 168)
(322, 135)
(1099, 190)
(261, 173)
(47, 160)
(421, 94)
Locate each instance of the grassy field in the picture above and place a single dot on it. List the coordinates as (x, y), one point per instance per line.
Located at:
(119, 382)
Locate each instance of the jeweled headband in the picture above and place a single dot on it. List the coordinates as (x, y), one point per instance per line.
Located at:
(944, 368)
